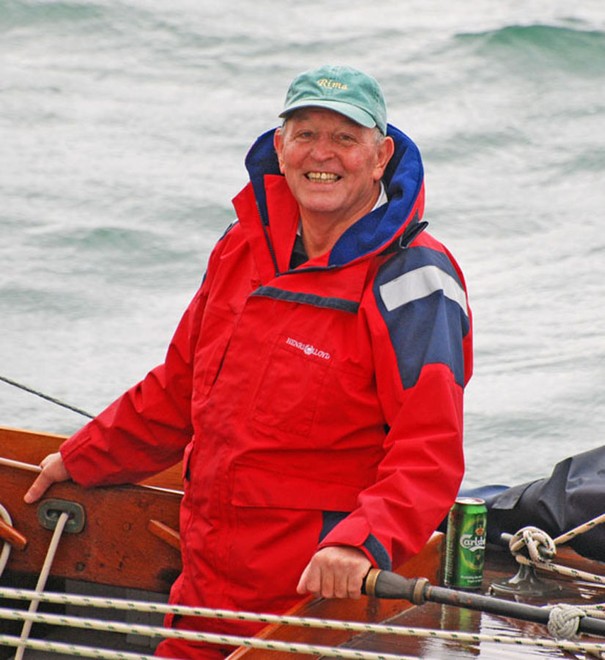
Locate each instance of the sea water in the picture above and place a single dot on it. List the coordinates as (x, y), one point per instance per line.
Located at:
(123, 128)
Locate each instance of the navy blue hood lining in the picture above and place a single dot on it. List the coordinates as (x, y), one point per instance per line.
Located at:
(403, 179)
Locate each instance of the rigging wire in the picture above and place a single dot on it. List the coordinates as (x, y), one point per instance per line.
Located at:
(46, 397)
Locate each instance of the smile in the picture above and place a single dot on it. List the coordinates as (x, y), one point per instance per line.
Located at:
(326, 177)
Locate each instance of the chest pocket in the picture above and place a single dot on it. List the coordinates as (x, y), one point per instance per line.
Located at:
(290, 387)
(210, 352)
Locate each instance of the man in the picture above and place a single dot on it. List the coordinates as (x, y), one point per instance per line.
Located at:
(314, 385)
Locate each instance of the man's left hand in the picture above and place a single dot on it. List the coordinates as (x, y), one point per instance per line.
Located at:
(335, 572)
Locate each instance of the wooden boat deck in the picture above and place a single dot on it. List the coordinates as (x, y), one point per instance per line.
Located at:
(446, 617)
(433, 616)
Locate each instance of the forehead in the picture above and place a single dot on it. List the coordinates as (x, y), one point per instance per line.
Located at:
(323, 117)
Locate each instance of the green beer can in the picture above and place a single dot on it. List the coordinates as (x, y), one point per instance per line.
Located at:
(465, 544)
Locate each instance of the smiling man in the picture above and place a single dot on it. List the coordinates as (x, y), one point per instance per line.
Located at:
(314, 386)
(334, 167)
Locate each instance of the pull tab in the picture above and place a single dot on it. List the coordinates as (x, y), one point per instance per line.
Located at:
(50, 510)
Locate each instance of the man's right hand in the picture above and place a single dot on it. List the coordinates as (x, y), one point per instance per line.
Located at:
(53, 470)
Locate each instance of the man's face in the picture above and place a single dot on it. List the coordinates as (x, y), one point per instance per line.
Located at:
(332, 165)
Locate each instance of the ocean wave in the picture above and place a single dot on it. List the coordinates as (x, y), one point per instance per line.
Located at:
(20, 13)
(115, 246)
(569, 48)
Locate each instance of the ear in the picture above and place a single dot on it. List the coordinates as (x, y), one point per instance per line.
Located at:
(384, 155)
(278, 144)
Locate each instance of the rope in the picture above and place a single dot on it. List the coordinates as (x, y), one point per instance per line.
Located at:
(42, 578)
(564, 621)
(559, 569)
(580, 529)
(306, 622)
(74, 649)
(291, 647)
(192, 636)
(538, 544)
(542, 549)
(6, 548)
(46, 397)
(19, 465)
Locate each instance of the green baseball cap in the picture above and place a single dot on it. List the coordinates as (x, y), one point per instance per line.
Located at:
(343, 89)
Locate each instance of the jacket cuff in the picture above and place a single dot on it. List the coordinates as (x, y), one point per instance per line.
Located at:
(339, 528)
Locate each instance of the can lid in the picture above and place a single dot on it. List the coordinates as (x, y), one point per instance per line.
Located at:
(469, 500)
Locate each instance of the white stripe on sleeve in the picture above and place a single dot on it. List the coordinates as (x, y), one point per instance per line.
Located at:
(420, 283)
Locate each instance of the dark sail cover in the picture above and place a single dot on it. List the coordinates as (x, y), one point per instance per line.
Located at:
(573, 494)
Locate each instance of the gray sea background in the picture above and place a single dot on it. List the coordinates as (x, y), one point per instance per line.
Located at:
(123, 129)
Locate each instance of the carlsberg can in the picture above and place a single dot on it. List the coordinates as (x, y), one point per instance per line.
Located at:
(465, 544)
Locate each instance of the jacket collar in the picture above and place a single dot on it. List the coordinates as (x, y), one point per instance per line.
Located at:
(404, 181)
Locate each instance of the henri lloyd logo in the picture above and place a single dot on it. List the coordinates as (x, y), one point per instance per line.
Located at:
(308, 349)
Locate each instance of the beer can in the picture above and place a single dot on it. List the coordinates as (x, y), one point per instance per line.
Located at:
(465, 544)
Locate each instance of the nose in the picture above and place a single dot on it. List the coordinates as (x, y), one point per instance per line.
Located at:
(323, 148)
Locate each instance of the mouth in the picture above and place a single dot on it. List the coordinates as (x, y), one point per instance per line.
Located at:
(322, 177)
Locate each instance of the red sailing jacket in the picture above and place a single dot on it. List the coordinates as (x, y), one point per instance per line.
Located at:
(314, 406)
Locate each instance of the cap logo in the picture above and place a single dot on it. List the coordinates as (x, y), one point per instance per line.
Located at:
(331, 84)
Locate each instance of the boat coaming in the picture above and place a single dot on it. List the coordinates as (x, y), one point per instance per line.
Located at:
(114, 535)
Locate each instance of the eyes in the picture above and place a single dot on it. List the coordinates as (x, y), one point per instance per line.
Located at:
(308, 136)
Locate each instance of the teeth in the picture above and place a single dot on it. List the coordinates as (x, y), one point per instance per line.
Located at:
(322, 176)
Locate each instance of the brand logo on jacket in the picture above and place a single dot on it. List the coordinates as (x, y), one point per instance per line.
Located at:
(308, 349)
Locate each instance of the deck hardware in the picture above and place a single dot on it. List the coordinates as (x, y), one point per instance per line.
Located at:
(526, 583)
(50, 510)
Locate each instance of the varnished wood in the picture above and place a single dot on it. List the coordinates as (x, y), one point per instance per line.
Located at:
(167, 534)
(32, 446)
(115, 547)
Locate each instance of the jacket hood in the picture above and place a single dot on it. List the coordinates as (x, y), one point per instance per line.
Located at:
(404, 183)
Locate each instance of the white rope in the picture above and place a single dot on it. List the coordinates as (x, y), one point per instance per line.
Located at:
(559, 569)
(542, 549)
(596, 611)
(538, 543)
(9, 462)
(73, 649)
(564, 621)
(6, 548)
(580, 529)
(193, 636)
(42, 578)
(251, 616)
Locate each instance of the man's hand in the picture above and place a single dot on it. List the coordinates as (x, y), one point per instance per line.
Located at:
(53, 470)
(335, 572)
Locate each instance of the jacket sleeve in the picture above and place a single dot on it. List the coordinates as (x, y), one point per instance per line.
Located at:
(420, 325)
(147, 428)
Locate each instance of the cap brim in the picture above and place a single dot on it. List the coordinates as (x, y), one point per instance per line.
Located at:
(358, 115)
